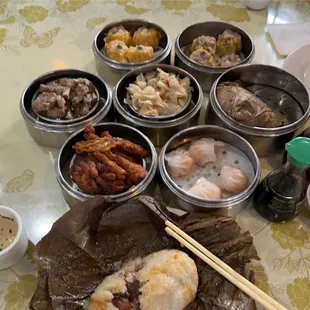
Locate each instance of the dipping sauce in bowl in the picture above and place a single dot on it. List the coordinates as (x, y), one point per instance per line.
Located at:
(8, 231)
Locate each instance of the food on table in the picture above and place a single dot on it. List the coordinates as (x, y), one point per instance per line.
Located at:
(95, 238)
(8, 231)
(106, 165)
(203, 169)
(120, 46)
(227, 60)
(116, 50)
(139, 53)
(229, 42)
(65, 98)
(206, 43)
(233, 179)
(223, 52)
(146, 36)
(244, 107)
(167, 279)
(158, 93)
(204, 150)
(203, 57)
(179, 163)
(119, 33)
(206, 190)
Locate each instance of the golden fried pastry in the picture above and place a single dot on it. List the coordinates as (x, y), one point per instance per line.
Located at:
(119, 33)
(116, 50)
(204, 42)
(202, 57)
(139, 53)
(146, 36)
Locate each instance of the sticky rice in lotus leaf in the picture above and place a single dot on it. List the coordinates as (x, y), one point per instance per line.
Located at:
(244, 107)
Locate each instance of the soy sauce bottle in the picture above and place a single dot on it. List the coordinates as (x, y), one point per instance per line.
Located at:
(282, 193)
(305, 133)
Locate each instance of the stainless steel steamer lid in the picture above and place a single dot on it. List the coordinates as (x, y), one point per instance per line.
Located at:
(211, 28)
(218, 133)
(135, 190)
(165, 123)
(53, 127)
(259, 74)
(134, 24)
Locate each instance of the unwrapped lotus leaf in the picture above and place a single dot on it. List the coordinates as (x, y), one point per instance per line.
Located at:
(95, 238)
(244, 107)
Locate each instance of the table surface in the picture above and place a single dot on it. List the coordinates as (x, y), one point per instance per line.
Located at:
(37, 36)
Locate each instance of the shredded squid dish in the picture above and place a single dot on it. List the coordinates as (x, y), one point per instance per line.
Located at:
(158, 94)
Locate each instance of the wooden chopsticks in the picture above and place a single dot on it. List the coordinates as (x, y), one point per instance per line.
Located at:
(222, 268)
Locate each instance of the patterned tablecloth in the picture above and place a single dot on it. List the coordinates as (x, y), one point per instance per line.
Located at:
(40, 35)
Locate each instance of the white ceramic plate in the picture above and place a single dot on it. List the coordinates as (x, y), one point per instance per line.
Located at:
(298, 64)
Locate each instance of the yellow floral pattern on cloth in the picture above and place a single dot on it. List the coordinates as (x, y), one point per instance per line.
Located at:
(176, 4)
(66, 6)
(20, 183)
(95, 21)
(42, 40)
(131, 7)
(228, 10)
(34, 13)
(299, 293)
(19, 292)
(3, 6)
(292, 236)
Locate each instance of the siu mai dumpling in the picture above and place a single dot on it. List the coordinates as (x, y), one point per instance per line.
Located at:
(140, 53)
(116, 50)
(229, 42)
(146, 36)
(206, 190)
(202, 57)
(119, 33)
(179, 163)
(233, 180)
(205, 150)
(204, 42)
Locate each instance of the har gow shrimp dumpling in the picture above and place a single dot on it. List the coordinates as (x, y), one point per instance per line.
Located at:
(179, 163)
(205, 189)
(140, 53)
(119, 33)
(146, 36)
(116, 50)
(233, 180)
(204, 151)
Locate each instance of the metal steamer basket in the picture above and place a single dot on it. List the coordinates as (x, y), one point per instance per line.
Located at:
(71, 192)
(112, 70)
(54, 134)
(158, 130)
(176, 197)
(281, 91)
(207, 75)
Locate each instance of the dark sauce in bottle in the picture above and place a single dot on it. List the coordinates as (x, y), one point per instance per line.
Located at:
(282, 193)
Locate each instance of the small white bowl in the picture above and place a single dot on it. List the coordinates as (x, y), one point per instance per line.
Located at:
(17, 249)
(256, 5)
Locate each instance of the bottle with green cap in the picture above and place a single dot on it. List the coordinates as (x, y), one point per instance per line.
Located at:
(282, 194)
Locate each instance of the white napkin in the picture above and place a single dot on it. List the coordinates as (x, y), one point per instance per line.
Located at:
(289, 37)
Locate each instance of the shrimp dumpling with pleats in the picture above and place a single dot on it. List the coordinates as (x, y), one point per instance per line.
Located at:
(205, 189)
(205, 150)
(233, 179)
(179, 163)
